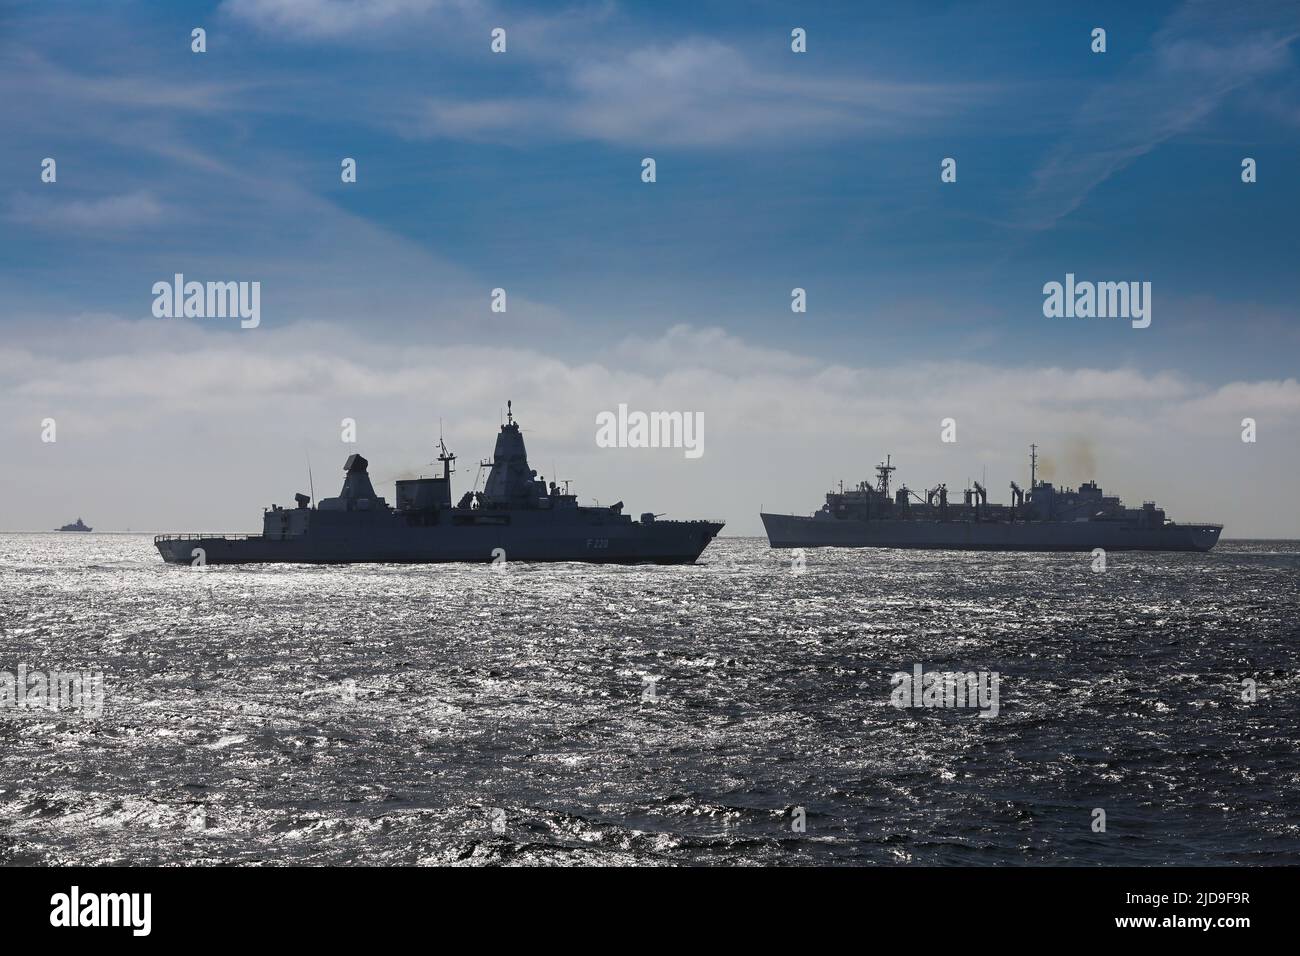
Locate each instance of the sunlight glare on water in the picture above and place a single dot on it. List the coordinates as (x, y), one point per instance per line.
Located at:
(381, 714)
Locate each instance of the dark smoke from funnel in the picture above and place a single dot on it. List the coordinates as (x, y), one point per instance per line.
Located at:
(1080, 459)
(1078, 462)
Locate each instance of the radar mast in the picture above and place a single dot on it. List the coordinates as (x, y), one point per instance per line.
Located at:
(882, 475)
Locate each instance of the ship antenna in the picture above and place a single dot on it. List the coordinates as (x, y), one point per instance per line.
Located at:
(445, 457)
(510, 414)
(1033, 467)
(311, 486)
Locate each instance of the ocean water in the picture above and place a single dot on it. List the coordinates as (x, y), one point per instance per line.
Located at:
(733, 712)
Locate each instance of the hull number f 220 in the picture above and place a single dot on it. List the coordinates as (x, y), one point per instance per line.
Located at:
(597, 544)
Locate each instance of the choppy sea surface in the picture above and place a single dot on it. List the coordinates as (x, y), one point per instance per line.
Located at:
(732, 712)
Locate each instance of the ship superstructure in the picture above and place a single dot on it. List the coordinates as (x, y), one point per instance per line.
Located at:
(516, 517)
(1039, 518)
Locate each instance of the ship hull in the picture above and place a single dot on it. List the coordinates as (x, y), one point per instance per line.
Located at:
(663, 542)
(796, 531)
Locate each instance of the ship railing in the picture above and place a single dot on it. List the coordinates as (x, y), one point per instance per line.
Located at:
(241, 536)
(1198, 524)
(690, 521)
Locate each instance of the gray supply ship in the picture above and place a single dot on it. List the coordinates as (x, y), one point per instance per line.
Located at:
(1044, 518)
(516, 517)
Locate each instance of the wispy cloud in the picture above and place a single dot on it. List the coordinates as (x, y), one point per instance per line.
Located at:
(50, 85)
(334, 19)
(1203, 54)
(695, 92)
(126, 211)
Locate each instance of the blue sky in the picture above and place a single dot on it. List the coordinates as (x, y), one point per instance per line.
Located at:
(775, 170)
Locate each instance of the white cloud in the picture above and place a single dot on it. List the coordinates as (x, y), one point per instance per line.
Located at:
(688, 346)
(1276, 401)
(170, 424)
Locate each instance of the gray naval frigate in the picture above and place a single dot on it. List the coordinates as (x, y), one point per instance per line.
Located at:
(516, 517)
(1043, 518)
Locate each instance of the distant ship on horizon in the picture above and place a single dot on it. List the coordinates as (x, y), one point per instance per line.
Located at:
(79, 525)
(1044, 518)
(516, 517)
